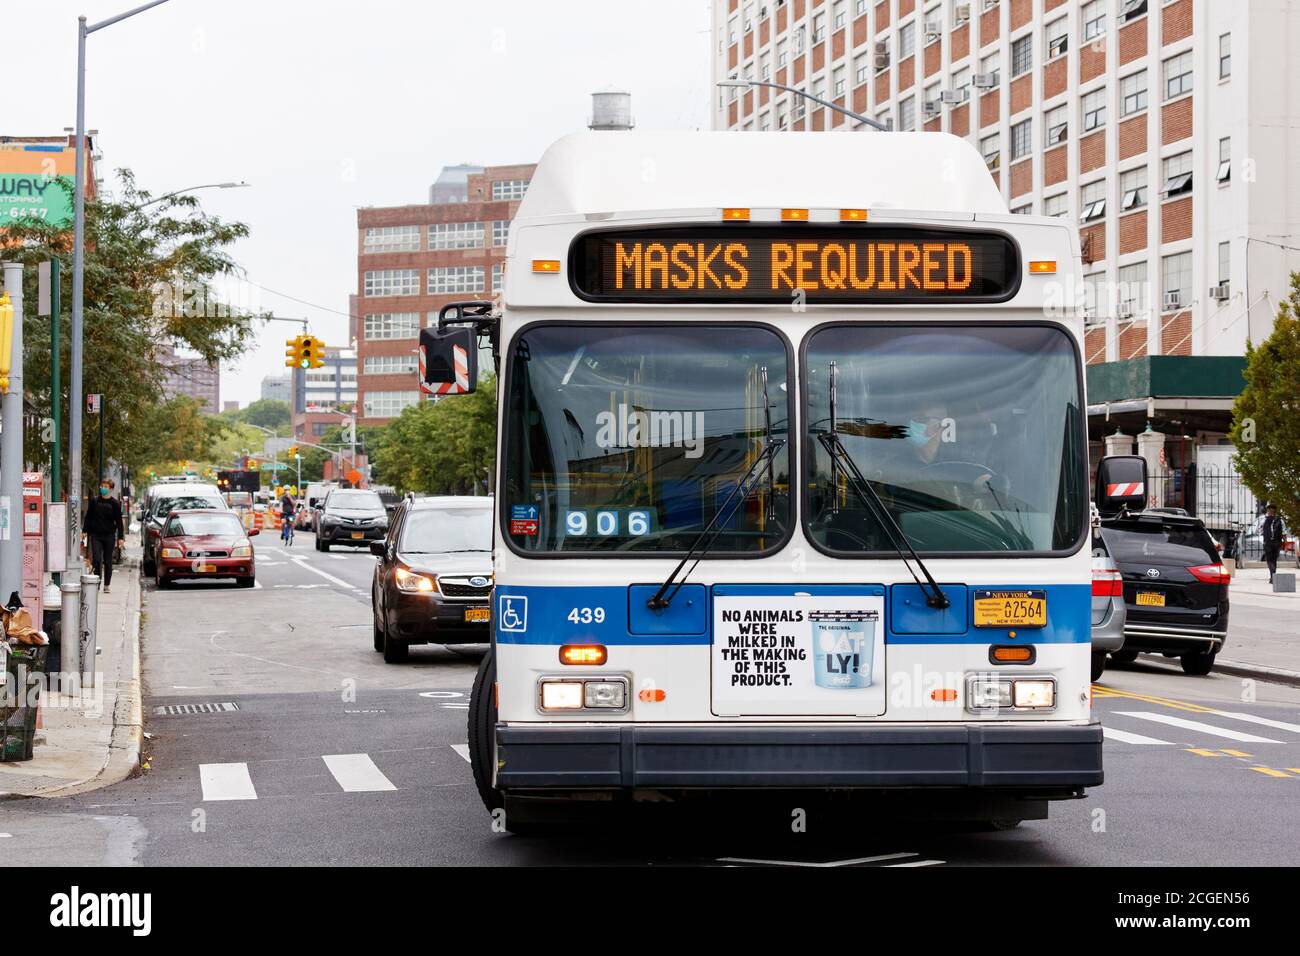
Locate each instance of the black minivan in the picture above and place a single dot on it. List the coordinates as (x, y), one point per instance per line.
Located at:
(1175, 587)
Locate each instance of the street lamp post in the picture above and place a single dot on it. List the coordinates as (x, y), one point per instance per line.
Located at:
(816, 99)
(78, 283)
(190, 189)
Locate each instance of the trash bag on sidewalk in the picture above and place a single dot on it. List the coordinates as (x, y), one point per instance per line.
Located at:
(24, 669)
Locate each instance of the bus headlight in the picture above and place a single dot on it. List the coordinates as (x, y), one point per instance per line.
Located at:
(1033, 694)
(604, 694)
(986, 692)
(563, 693)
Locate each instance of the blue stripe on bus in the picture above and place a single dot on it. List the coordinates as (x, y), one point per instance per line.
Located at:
(570, 614)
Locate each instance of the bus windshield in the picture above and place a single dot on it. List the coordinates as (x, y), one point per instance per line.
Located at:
(971, 436)
(632, 439)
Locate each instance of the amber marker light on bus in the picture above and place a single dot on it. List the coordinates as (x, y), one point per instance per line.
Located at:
(590, 654)
(546, 265)
(944, 694)
(651, 695)
(735, 214)
(1011, 654)
(853, 215)
(794, 215)
(1042, 267)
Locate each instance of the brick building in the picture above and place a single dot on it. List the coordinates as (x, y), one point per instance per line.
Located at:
(1169, 130)
(411, 260)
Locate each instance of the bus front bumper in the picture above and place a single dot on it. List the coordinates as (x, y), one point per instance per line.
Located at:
(1035, 757)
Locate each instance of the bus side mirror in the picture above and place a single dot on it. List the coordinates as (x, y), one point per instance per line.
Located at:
(1121, 484)
(449, 360)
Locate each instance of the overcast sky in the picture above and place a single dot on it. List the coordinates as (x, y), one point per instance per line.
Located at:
(327, 105)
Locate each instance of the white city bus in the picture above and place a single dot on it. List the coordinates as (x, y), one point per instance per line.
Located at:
(791, 479)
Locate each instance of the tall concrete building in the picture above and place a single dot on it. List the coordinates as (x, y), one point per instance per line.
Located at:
(333, 384)
(191, 376)
(1168, 131)
(277, 388)
(411, 260)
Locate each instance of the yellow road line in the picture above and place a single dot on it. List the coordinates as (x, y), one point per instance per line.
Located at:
(1270, 772)
(1202, 752)
(1235, 753)
(1098, 691)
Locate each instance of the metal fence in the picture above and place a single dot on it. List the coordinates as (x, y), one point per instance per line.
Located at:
(1219, 498)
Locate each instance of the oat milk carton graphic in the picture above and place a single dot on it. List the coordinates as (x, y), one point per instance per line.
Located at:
(843, 642)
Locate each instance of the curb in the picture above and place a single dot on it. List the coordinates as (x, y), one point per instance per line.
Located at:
(1273, 675)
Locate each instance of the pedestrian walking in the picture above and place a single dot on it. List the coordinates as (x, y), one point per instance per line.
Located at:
(1271, 534)
(104, 531)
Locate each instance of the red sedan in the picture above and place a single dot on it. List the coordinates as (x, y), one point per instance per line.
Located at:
(205, 544)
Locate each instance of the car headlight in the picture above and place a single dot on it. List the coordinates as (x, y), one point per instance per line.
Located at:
(242, 549)
(410, 581)
(172, 553)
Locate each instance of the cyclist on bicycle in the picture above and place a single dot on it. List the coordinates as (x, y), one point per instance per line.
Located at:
(288, 507)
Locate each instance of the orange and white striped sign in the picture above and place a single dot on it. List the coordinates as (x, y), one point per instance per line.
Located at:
(460, 367)
(1125, 489)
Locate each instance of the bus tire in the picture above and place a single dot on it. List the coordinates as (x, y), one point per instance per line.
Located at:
(1198, 664)
(1098, 665)
(482, 731)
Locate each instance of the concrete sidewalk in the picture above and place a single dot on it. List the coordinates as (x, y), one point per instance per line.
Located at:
(1271, 653)
(92, 739)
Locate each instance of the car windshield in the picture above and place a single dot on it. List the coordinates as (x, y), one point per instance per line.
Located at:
(355, 501)
(1158, 543)
(442, 530)
(971, 436)
(633, 438)
(188, 503)
(201, 524)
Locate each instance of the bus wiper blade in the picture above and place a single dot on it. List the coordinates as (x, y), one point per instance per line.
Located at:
(934, 596)
(661, 599)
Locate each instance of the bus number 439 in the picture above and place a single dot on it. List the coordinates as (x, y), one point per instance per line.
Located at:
(587, 615)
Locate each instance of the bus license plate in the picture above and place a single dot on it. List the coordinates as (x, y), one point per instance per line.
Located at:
(1151, 598)
(478, 615)
(1010, 608)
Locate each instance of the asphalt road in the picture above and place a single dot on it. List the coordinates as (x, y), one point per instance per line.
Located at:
(308, 749)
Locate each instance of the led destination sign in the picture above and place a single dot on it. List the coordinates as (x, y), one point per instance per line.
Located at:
(761, 264)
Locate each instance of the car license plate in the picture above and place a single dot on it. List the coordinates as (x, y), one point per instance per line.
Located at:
(358, 534)
(1010, 608)
(1151, 598)
(207, 568)
(478, 615)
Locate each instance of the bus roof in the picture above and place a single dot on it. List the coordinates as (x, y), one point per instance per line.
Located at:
(596, 173)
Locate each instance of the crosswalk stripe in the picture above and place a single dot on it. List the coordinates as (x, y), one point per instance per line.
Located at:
(226, 781)
(1124, 737)
(1199, 727)
(1262, 721)
(357, 773)
(462, 749)
(916, 863)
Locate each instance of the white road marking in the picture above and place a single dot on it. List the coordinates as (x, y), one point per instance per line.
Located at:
(454, 706)
(917, 863)
(302, 562)
(854, 862)
(1262, 721)
(226, 781)
(357, 773)
(462, 749)
(1123, 736)
(1199, 727)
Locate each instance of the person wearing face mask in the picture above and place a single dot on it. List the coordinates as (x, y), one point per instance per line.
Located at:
(103, 528)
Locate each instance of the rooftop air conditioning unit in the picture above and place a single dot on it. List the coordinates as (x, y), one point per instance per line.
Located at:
(1173, 300)
(985, 81)
(882, 61)
(933, 30)
(933, 107)
(953, 97)
(961, 12)
(1220, 293)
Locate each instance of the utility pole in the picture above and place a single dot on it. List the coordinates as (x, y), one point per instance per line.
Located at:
(11, 446)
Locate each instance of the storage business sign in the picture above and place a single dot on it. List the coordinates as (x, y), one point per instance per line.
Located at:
(36, 182)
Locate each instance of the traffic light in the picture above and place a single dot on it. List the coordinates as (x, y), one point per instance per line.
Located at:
(311, 352)
(293, 451)
(292, 351)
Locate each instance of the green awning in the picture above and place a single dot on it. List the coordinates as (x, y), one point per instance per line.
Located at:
(1167, 376)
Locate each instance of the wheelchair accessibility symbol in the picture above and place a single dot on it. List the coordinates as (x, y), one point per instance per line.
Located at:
(514, 613)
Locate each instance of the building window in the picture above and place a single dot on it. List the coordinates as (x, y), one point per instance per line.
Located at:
(1093, 306)
(1225, 264)
(990, 149)
(1094, 20)
(1178, 75)
(391, 239)
(1224, 172)
(1058, 38)
(1176, 271)
(1092, 201)
(1225, 56)
(1132, 290)
(455, 235)
(800, 40)
(906, 40)
(380, 404)
(862, 69)
(500, 231)
(1094, 109)
(1057, 126)
(961, 84)
(1057, 205)
(1131, 10)
(840, 15)
(455, 279)
(498, 277)
(1022, 55)
(392, 282)
(838, 81)
(1026, 210)
(1133, 93)
(782, 55)
(765, 67)
(390, 365)
(1021, 143)
(509, 188)
(732, 26)
(1133, 189)
(907, 114)
(749, 18)
(392, 325)
(819, 28)
(1178, 175)
(859, 7)
(991, 67)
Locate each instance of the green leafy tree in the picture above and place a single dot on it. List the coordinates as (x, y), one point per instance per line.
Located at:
(1266, 416)
(149, 274)
(444, 447)
(268, 413)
